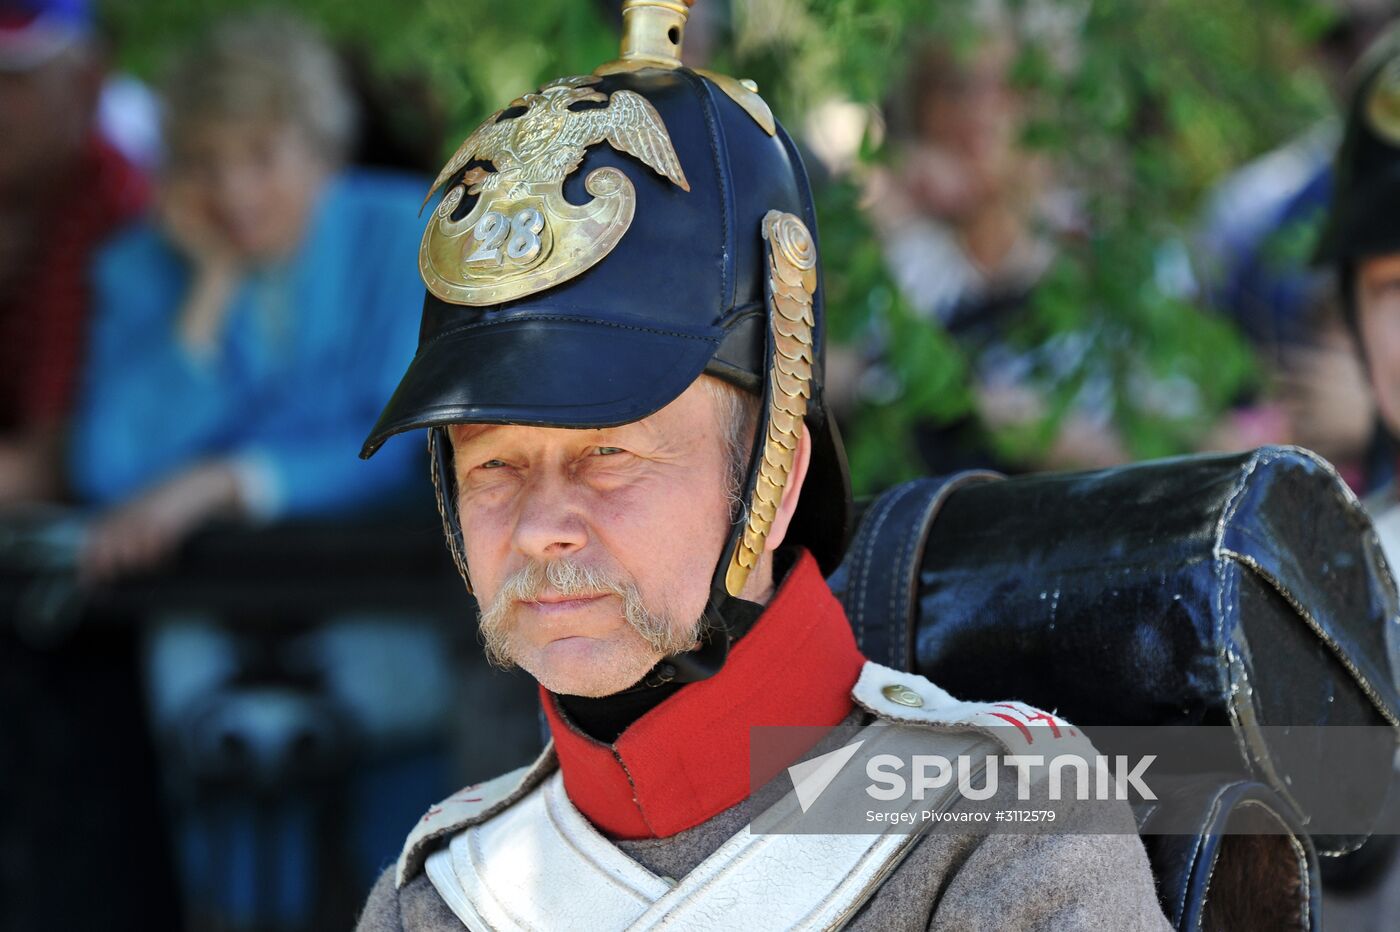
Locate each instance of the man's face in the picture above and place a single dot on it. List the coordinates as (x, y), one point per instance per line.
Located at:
(644, 506)
(1378, 319)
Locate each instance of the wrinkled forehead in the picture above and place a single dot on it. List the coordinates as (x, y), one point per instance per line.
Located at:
(693, 414)
(474, 436)
(462, 434)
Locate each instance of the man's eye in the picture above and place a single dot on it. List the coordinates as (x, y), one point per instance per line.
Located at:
(492, 464)
(607, 451)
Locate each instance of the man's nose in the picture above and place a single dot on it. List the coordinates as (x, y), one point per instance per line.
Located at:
(551, 520)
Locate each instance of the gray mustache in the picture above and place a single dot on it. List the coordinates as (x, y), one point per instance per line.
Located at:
(498, 619)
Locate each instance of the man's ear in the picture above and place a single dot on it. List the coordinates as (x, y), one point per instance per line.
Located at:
(788, 506)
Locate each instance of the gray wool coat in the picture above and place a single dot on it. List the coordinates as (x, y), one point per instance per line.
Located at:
(963, 882)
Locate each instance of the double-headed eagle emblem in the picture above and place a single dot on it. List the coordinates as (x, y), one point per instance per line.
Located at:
(522, 236)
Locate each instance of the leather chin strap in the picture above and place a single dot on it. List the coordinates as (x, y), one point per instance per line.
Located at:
(445, 493)
(789, 356)
(707, 659)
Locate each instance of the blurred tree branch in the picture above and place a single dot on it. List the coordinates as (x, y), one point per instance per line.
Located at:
(1154, 102)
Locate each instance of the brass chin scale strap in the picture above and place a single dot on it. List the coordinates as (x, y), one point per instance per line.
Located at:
(792, 284)
(791, 291)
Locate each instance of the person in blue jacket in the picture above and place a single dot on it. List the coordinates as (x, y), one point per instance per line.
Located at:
(246, 334)
(243, 341)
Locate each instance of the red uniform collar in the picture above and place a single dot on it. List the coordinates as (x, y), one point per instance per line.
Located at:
(687, 760)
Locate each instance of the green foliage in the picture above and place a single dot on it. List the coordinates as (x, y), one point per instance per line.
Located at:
(1160, 100)
(1167, 97)
(477, 54)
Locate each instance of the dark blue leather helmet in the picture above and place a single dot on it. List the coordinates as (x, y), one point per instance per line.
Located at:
(605, 241)
(1366, 174)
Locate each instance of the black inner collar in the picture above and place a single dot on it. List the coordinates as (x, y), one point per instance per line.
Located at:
(605, 718)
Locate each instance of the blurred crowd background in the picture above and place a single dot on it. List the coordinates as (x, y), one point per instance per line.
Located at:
(235, 664)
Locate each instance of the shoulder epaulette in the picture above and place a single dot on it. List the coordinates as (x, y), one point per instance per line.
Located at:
(908, 698)
(467, 807)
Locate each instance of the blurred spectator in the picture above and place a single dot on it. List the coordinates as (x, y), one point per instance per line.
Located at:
(1360, 245)
(1253, 217)
(1318, 397)
(968, 218)
(1260, 220)
(1322, 389)
(63, 189)
(244, 340)
(73, 737)
(1259, 223)
(960, 215)
(238, 348)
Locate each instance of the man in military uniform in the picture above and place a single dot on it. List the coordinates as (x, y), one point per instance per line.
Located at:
(1361, 241)
(620, 368)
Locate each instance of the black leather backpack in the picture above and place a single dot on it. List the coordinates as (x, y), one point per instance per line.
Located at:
(1240, 590)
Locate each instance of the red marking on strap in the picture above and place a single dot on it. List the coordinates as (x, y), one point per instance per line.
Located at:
(1024, 730)
(459, 798)
(1039, 716)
